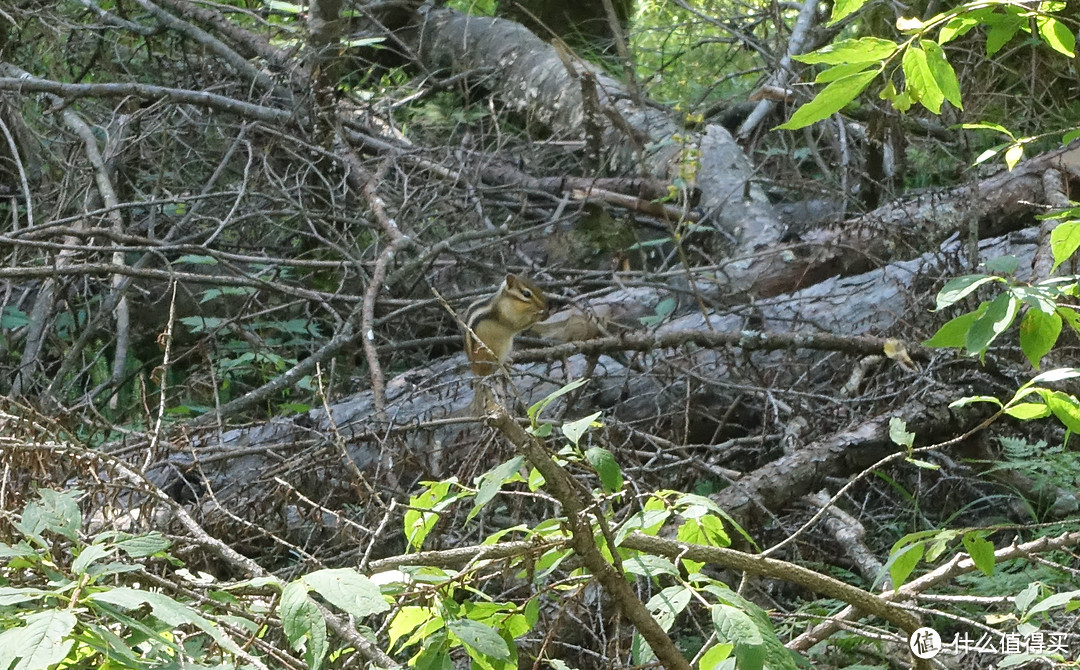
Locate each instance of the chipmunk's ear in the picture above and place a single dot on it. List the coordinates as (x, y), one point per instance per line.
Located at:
(510, 281)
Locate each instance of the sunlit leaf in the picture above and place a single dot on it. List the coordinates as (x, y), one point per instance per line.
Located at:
(1064, 241)
(1013, 155)
(899, 434)
(1027, 411)
(902, 562)
(1056, 34)
(960, 287)
(862, 50)
(348, 590)
(842, 8)
(972, 399)
(1065, 409)
(830, 100)
(668, 604)
(981, 551)
(996, 320)
(1039, 332)
(573, 430)
(942, 72)
(920, 79)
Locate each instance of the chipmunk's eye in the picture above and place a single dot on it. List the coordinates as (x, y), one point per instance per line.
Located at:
(526, 292)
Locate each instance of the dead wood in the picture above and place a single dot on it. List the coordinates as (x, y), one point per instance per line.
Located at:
(429, 434)
(529, 76)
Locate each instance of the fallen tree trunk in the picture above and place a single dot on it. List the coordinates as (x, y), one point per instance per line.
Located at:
(326, 454)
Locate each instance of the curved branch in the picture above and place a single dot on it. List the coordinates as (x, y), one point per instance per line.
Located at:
(19, 83)
(776, 569)
(561, 486)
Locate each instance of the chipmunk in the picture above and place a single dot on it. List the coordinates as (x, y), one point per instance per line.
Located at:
(493, 322)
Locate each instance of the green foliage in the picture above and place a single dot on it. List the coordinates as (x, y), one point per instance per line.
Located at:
(928, 77)
(1043, 304)
(77, 602)
(485, 630)
(67, 605)
(672, 51)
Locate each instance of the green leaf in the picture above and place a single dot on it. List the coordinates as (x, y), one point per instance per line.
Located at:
(408, 619)
(1068, 137)
(14, 595)
(997, 319)
(1027, 596)
(981, 551)
(1056, 600)
(954, 333)
(90, 555)
(1001, 30)
(284, 7)
(840, 71)
(647, 521)
(1065, 408)
(735, 626)
(1056, 34)
(303, 624)
(943, 72)
(960, 25)
(1042, 298)
(165, 608)
(920, 80)
(902, 562)
(1005, 265)
(961, 287)
(193, 259)
(863, 50)
(668, 604)
(842, 8)
(141, 546)
(716, 653)
(641, 654)
(663, 309)
(603, 461)
(647, 565)
(491, 483)
(109, 645)
(1064, 241)
(432, 628)
(909, 24)
(573, 430)
(41, 643)
(348, 590)
(56, 511)
(1055, 375)
(706, 529)
(537, 408)
(1039, 333)
(925, 465)
(417, 521)
(899, 434)
(972, 399)
(434, 656)
(986, 125)
(1013, 155)
(830, 100)
(1026, 411)
(543, 430)
(477, 636)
